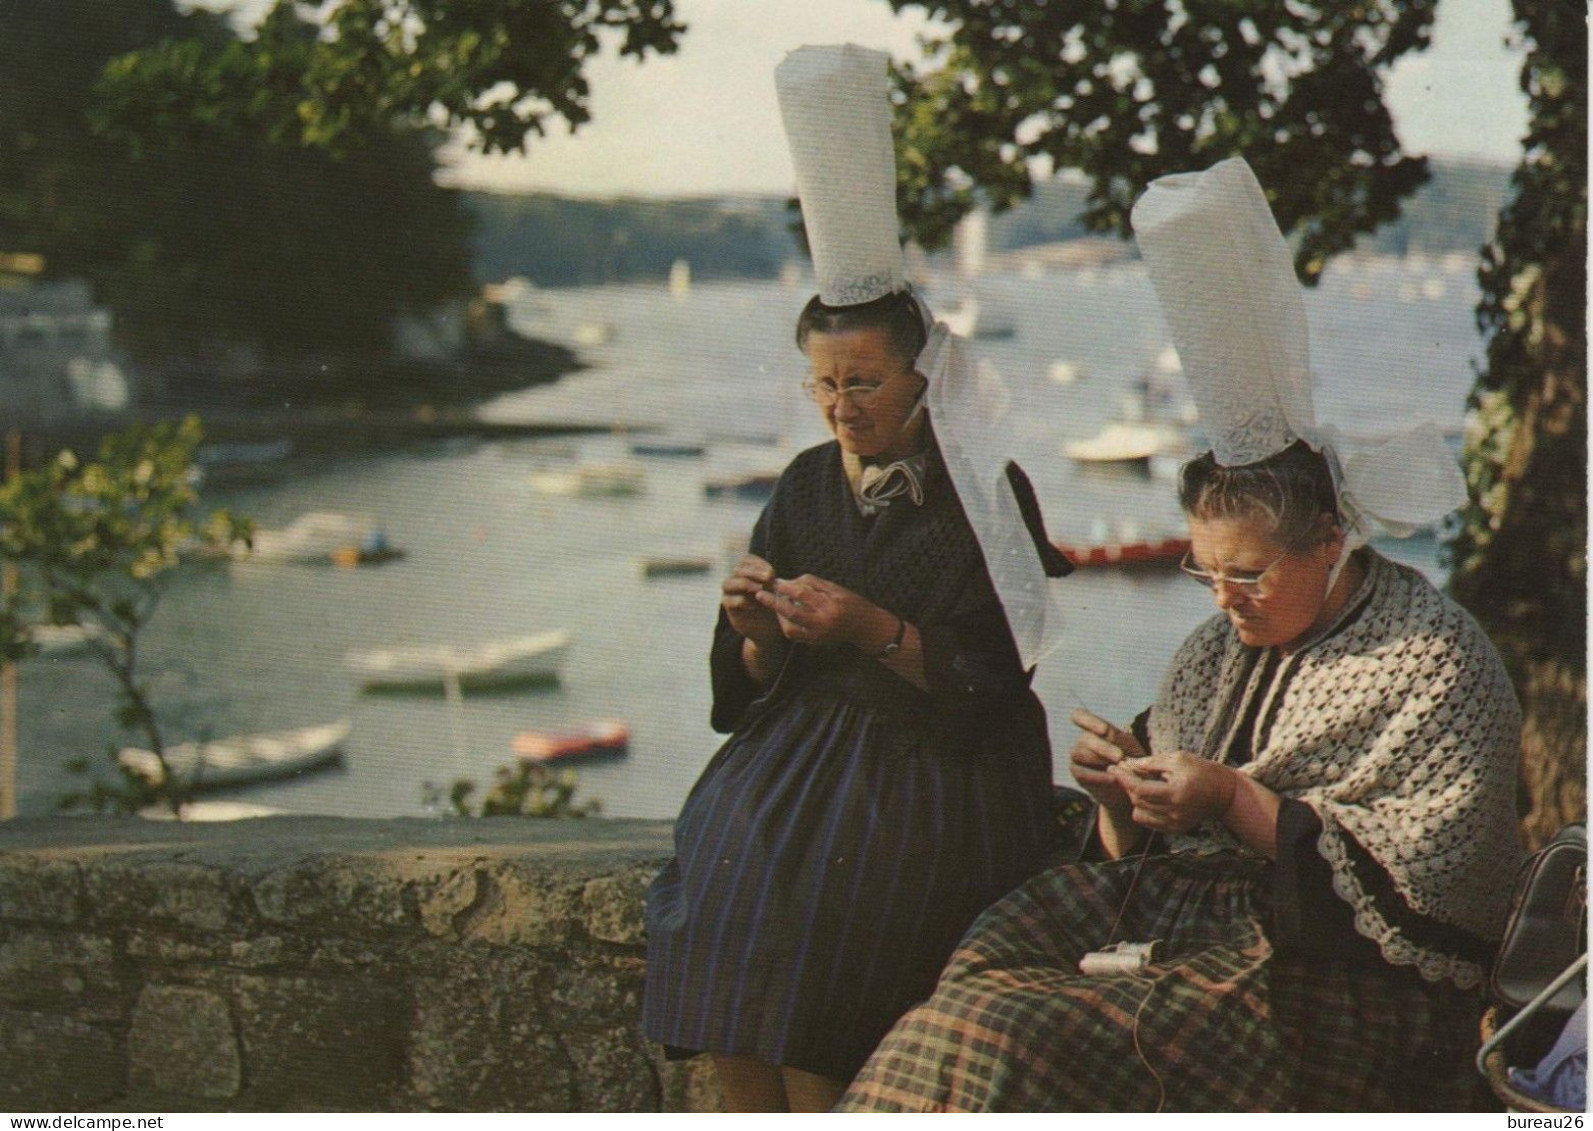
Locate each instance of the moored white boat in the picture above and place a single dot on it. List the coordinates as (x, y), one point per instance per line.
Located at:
(241, 759)
(595, 333)
(497, 663)
(57, 640)
(590, 480)
(1155, 426)
(207, 811)
(1062, 372)
(1129, 442)
(312, 537)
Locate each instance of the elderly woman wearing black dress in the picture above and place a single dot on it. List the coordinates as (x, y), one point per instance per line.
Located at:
(888, 772)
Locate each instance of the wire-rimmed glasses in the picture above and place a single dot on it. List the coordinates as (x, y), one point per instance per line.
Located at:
(860, 393)
(1245, 581)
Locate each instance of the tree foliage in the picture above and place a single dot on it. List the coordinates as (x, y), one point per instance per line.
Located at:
(276, 191)
(526, 789)
(206, 236)
(502, 68)
(1127, 90)
(94, 543)
(51, 53)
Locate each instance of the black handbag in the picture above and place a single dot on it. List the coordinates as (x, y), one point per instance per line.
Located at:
(1547, 928)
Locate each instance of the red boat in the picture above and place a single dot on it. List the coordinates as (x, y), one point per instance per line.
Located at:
(1143, 551)
(602, 736)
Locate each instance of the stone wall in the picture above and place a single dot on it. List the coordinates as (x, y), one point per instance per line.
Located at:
(309, 963)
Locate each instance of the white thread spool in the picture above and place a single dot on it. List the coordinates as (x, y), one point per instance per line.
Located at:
(1119, 959)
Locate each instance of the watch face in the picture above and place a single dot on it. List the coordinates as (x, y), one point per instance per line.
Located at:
(895, 645)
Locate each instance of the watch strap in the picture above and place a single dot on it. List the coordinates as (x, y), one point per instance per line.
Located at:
(895, 645)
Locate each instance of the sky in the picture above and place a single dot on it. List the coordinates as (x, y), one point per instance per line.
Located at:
(704, 121)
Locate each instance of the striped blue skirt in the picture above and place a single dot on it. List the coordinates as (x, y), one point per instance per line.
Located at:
(827, 862)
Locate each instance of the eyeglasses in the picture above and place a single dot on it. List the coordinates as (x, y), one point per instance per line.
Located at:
(1246, 581)
(860, 393)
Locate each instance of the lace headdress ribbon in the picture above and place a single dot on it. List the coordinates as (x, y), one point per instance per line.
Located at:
(1225, 279)
(834, 103)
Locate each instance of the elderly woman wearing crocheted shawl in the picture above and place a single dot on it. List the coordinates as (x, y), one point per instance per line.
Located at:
(1310, 835)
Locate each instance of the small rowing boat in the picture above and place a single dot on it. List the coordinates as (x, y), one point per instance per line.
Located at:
(599, 737)
(514, 661)
(241, 759)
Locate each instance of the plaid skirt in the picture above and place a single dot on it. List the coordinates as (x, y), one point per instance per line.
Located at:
(1218, 1023)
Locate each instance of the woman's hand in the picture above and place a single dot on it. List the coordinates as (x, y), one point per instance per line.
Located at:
(1100, 747)
(738, 599)
(1172, 793)
(811, 610)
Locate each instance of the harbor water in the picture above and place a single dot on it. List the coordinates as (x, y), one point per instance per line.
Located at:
(256, 647)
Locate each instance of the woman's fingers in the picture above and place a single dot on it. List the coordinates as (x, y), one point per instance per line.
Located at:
(809, 608)
(799, 592)
(1088, 720)
(783, 603)
(1102, 786)
(755, 568)
(751, 575)
(1174, 792)
(737, 585)
(1095, 752)
(1145, 773)
(1105, 744)
(1092, 724)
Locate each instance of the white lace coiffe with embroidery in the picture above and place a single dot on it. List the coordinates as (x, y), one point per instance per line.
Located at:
(1400, 730)
(1225, 281)
(835, 107)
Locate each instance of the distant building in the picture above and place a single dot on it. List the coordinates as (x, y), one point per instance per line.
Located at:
(57, 362)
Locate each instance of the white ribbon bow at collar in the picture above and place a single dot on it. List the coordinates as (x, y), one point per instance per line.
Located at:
(878, 484)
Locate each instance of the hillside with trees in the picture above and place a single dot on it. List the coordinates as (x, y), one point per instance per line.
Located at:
(557, 241)
(560, 241)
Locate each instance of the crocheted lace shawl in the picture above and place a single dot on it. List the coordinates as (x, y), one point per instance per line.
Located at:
(1400, 730)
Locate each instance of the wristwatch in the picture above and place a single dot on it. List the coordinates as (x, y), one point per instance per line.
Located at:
(895, 645)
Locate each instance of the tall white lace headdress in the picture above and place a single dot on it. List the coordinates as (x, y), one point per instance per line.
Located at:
(1225, 280)
(834, 102)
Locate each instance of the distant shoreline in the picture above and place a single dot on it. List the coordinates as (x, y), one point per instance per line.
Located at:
(375, 405)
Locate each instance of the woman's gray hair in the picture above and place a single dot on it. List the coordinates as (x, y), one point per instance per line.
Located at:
(897, 314)
(1291, 490)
